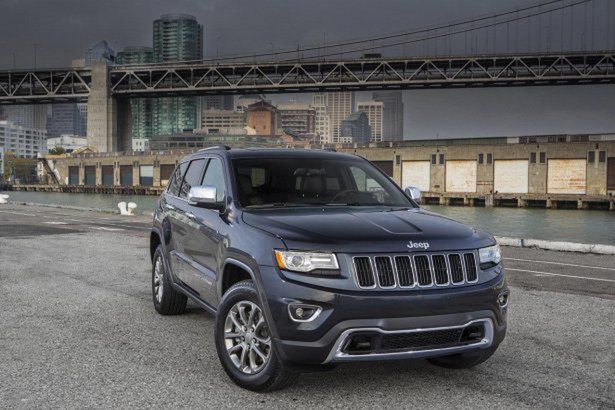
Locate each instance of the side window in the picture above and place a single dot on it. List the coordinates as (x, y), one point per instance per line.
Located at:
(214, 176)
(193, 177)
(176, 179)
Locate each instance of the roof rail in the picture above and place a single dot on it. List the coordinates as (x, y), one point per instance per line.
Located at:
(224, 147)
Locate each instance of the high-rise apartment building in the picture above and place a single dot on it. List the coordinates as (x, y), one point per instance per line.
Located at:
(300, 118)
(393, 114)
(140, 108)
(21, 141)
(374, 111)
(177, 37)
(339, 106)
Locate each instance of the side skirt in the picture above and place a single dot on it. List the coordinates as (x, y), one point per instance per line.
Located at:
(194, 296)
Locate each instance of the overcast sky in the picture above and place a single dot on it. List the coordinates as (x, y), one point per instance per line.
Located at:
(63, 29)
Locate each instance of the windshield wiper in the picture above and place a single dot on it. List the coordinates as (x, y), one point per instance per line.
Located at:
(276, 205)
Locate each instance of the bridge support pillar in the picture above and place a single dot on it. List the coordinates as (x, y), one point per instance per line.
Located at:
(108, 117)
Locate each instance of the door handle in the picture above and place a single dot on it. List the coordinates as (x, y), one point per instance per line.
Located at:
(170, 207)
(190, 215)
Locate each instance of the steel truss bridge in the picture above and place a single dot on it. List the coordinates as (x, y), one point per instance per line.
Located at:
(60, 85)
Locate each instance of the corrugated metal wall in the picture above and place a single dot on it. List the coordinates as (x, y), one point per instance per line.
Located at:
(415, 173)
(510, 176)
(460, 176)
(566, 176)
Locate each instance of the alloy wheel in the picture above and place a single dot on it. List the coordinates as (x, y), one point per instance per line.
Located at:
(158, 279)
(246, 337)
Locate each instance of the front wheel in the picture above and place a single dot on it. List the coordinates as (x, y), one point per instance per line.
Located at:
(244, 344)
(463, 360)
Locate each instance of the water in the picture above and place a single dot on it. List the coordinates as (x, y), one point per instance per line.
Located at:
(549, 224)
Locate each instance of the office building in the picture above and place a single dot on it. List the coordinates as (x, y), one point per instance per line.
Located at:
(374, 111)
(321, 128)
(100, 51)
(140, 108)
(339, 106)
(65, 119)
(218, 102)
(21, 141)
(300, 118)
(355, 128)
(244, 101)
(177, 37)
(215, 121)
(393, 114)
(28, 116)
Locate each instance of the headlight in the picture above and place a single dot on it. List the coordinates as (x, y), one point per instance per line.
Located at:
(306, 261)
(490, 256)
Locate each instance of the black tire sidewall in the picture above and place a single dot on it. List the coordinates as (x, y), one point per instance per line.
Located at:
(242, 291)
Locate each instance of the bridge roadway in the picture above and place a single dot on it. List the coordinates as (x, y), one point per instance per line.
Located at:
(202, 78)
(78, 329)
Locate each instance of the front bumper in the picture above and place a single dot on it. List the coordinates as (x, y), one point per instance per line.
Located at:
(345, 312)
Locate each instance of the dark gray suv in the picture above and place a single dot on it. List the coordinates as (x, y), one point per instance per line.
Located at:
(312, 258)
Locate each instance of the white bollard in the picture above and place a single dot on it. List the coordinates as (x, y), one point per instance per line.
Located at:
(122, 206)
(4, 198)
(131, 208)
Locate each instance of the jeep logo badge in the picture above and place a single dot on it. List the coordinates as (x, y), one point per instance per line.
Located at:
(418, 245)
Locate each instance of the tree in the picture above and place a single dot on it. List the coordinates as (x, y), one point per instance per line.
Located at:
(57, 150)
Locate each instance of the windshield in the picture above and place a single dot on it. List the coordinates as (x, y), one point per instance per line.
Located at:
(264, 182)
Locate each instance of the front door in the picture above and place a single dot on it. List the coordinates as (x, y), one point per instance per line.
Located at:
(202, 246)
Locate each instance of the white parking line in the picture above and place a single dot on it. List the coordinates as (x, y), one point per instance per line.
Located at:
(560, 274)
(560, 263)
(104, 228)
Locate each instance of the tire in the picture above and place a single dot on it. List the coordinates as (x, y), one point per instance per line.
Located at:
(463, 360)
(260, 374)
(170, 301)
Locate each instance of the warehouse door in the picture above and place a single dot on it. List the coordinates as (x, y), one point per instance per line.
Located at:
(566, 176)
(610, 177)
(510, 176)
(415, 173)
(73, 175)
(126, 175)
(460, 176)
(385, 166)
(107, 175)
(90, 175)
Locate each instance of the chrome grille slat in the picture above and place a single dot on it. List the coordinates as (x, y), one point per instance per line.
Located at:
(436, 269)
(384, 272)
(405, 272)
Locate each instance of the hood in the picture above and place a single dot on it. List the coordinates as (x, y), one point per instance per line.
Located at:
(352, 229)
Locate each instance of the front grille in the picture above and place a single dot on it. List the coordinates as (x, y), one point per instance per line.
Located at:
(407, 271)
(421, 340)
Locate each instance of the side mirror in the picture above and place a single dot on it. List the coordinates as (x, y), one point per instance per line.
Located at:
(414, 193)
(205, 197)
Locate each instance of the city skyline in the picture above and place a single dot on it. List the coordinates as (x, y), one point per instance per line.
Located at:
(519, 111)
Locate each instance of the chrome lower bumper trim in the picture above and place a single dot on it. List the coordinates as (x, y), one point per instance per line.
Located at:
(337, 355)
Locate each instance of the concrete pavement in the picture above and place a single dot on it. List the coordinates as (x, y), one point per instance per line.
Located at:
(77, 329)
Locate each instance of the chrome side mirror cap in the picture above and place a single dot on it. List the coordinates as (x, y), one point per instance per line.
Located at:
(204, 196)
(414, 193)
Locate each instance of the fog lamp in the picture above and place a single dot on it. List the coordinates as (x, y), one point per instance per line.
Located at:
(301, 312)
